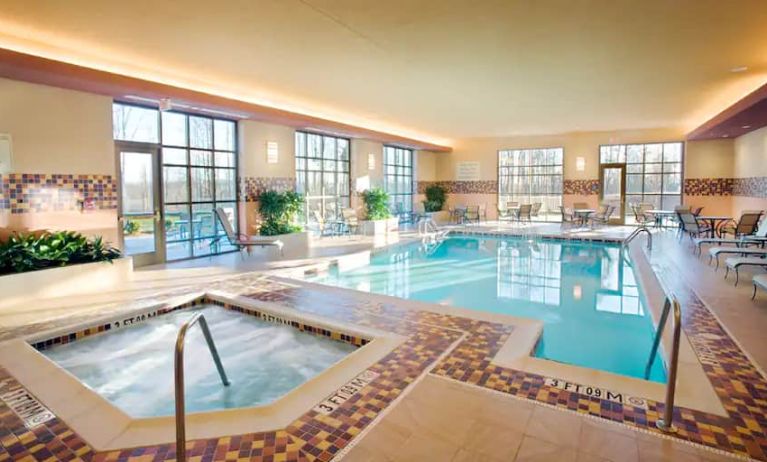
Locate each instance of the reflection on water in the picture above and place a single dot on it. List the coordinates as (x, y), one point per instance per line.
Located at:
(585, 293)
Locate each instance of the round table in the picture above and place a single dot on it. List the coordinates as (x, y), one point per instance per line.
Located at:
(712, 221)
(659, 215)
(583, 214)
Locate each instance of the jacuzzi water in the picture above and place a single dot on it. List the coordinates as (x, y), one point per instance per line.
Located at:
(133, 367)
(585, 293)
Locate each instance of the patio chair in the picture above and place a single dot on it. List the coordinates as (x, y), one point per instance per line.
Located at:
(568, 218)
(759, 280)
(524, 213)
(322, 224)
(508, 212)
(602, 215)
(471, 214)
(690, 225)
(749, 220)
(482, 213)
(696, 211)
(759, 237)
(349, 222)
(734, 263)
(242, 241)
(536, 209)
(714, 252)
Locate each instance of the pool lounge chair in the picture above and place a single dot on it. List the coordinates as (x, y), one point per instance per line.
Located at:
(734, 263)
(754, 238)
(242, 241)
(714, 252)
(689, 225)
(760, 280)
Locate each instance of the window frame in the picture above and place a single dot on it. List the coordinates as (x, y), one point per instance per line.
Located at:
(510, 195)
(408, 166)
(302, 174)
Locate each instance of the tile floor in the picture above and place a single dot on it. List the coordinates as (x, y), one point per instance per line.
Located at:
(437, 418)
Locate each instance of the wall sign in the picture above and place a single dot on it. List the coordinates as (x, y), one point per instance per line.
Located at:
(351, 388)
(467, 171)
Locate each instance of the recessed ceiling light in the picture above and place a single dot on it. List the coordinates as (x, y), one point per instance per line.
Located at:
(725, 136)
(746, 126)
(739, 69)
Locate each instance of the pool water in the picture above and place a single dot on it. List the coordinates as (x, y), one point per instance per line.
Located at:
(133, 367)
(585, 293)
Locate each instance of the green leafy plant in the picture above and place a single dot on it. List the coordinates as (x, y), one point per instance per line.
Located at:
(435, 198)
(30, 252)
(376, 204)
(279, 211)
(131, 227)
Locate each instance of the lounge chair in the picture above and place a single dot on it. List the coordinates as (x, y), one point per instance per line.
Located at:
(535, 211)
(242, 241)
(734, 263)
(714, 252)
(689, 224)
(760, 280)
(349, 222)
(602, 216)
(524, 213)
(640, 214)
(568, 218)
(757, 238)
(747, 224)
(471, 214)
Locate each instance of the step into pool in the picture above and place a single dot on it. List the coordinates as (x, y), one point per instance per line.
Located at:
(132, 367)
(584, 292)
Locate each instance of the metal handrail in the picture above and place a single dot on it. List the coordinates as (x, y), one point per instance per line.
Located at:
(179, 378)
(666, 424)
(636, 233)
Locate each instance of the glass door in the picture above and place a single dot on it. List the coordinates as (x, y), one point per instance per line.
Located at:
(612, 181)
(139, 204)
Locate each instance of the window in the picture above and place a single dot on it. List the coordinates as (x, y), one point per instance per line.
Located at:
(322, 174)
(529, 273)
(199, 173)
(653, 172)
(529, 176)
(398, 177)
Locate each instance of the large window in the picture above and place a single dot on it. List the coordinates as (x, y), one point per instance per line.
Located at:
(398, 177)
(653, 172)
(198, 156)
(530, 176)
(322, 171)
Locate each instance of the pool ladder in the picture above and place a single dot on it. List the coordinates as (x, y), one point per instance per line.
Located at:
(666, 423)
(636, 233)
(179, 378)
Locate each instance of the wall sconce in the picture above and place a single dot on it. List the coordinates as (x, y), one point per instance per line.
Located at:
(371, 161)
(577, 292)
(580, 164)
(272, 152)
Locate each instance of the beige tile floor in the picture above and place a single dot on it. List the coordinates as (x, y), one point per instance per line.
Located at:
(439, 420)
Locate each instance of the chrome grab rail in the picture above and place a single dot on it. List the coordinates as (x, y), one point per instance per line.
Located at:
(666, 423)
(179, 378)
(636, 233)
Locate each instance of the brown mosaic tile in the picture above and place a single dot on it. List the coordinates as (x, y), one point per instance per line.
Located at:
(251, 187)
(32, 192)
(580, 187)
(708, 186)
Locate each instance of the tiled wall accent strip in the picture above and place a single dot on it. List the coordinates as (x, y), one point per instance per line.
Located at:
(462, 187)
(708, 186)
(581, 187)
(251, 187)
(750, 187)
(55, 192)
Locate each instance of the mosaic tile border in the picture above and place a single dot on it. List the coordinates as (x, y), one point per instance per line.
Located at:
(251, 187)
(580, 187)
(708, 186)
(750, 187)
(56, 192)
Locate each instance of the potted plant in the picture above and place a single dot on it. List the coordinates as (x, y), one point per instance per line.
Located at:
(436, 196)
(279, 218)
(57, 263)
(379, 221)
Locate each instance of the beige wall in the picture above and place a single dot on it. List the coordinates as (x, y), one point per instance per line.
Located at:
(751, 154)
(253, 138)
(57, 131)
(709, 159)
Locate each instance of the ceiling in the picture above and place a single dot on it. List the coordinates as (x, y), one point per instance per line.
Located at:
(435, 70)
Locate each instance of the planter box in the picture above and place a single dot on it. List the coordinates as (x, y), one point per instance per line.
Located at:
(383, 231)
(64, 281)
(295, 245)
